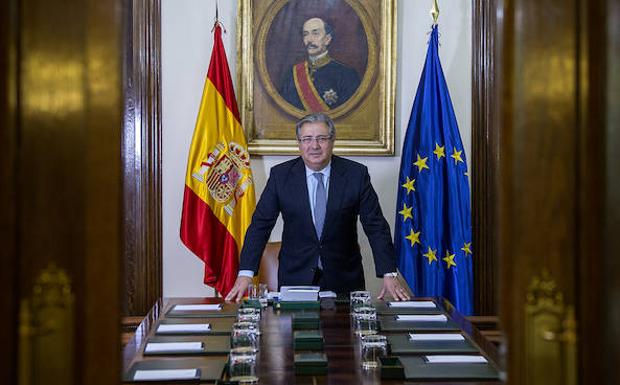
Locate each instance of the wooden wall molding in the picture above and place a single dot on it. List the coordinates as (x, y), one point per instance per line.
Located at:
(485, 154)
(141, 156)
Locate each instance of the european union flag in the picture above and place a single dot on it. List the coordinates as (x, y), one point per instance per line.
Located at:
(433, 221)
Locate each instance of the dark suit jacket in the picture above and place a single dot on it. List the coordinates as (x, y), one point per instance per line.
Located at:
(350, 195)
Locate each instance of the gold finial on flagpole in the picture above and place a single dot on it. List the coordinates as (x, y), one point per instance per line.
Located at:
(435, 12)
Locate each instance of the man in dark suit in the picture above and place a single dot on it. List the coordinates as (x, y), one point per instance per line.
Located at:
(320, 197)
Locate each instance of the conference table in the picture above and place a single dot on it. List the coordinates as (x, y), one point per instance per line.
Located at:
(275, 361)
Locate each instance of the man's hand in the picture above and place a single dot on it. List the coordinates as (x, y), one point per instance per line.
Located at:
(393, 288)
(238, 291)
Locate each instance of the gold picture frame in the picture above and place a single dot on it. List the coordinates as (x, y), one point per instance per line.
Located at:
(271, 50)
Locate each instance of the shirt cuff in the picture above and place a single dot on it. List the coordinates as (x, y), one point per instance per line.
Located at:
(391, 275)
(246, 273)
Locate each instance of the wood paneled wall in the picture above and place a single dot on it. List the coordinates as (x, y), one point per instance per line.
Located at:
(9, 300)
(60, 192)
(559, 199)
(141, 156)
(486, 156)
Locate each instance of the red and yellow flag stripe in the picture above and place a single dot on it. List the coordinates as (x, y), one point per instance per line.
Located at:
(219, 191)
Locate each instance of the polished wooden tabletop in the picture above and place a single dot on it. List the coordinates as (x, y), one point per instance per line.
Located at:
(275, 359)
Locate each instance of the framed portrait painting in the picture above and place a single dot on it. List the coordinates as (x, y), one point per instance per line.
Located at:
(301, 56)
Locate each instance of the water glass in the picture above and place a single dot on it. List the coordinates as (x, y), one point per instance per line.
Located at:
(373, 348)
(250, 311)
(263, 292)
(250, 316)
(244, 334)
(359, 299)
(252, 291)
(365, 321)
(242, 365)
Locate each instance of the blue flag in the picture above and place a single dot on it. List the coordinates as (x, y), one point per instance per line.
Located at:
(432, 234)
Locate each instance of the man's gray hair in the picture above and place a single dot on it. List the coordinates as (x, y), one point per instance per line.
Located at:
(316, 117)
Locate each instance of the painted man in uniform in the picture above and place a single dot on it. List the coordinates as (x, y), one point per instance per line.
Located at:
(319, 83)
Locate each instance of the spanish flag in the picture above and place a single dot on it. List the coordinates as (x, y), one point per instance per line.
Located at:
(219, 192)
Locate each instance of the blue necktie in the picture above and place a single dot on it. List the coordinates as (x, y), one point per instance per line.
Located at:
(320, 206)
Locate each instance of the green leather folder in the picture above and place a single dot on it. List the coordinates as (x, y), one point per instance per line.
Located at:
(416, 368)
(306, 321)
(390, 324)
(308, 340)
(228, 310)
(219, 325)
(401, 344)
(298, 305)
(310, 363)
(210, 369)
(310, 359)
(213, 345)
(254, 304)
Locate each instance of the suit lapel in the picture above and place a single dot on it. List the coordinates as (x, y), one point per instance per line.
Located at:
(337, 186)
(301, 188)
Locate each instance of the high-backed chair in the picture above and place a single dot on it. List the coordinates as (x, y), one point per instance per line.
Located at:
(268, 270)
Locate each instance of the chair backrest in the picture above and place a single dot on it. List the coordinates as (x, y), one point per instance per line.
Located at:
(268, 270)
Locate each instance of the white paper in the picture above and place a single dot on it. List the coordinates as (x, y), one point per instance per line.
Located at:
(183, 328)
(167, 374)
(198, 307)
(327, 294)
(436, 337)
(456, 359)
(422, 318)
(171, 347)
(414, 304)
(299, 293)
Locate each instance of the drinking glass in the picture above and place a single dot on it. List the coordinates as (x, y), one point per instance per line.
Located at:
(249, 311)
(250, 315)
(359, 299)
(251, 291)
(242, 365)
(263, 291)
(244, 334)
(365, 321)
(373, 348)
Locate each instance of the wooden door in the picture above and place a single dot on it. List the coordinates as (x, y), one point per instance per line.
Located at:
(60, 192)
(558, 193)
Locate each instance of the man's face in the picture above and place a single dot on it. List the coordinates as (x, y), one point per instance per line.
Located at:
(317, 152)
(315, 39)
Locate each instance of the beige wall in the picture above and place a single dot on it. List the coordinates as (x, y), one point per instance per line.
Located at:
(186, 49)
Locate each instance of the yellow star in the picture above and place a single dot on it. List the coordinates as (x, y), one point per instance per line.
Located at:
(449, 259)
(439, 151)
(413, 237)
(406, 212)
(409, 185)
(430, 254)
(457, 156)
(466, 248)
(421, 163)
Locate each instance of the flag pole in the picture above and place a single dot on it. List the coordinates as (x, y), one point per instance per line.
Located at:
(217, 18)
(435, 12)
